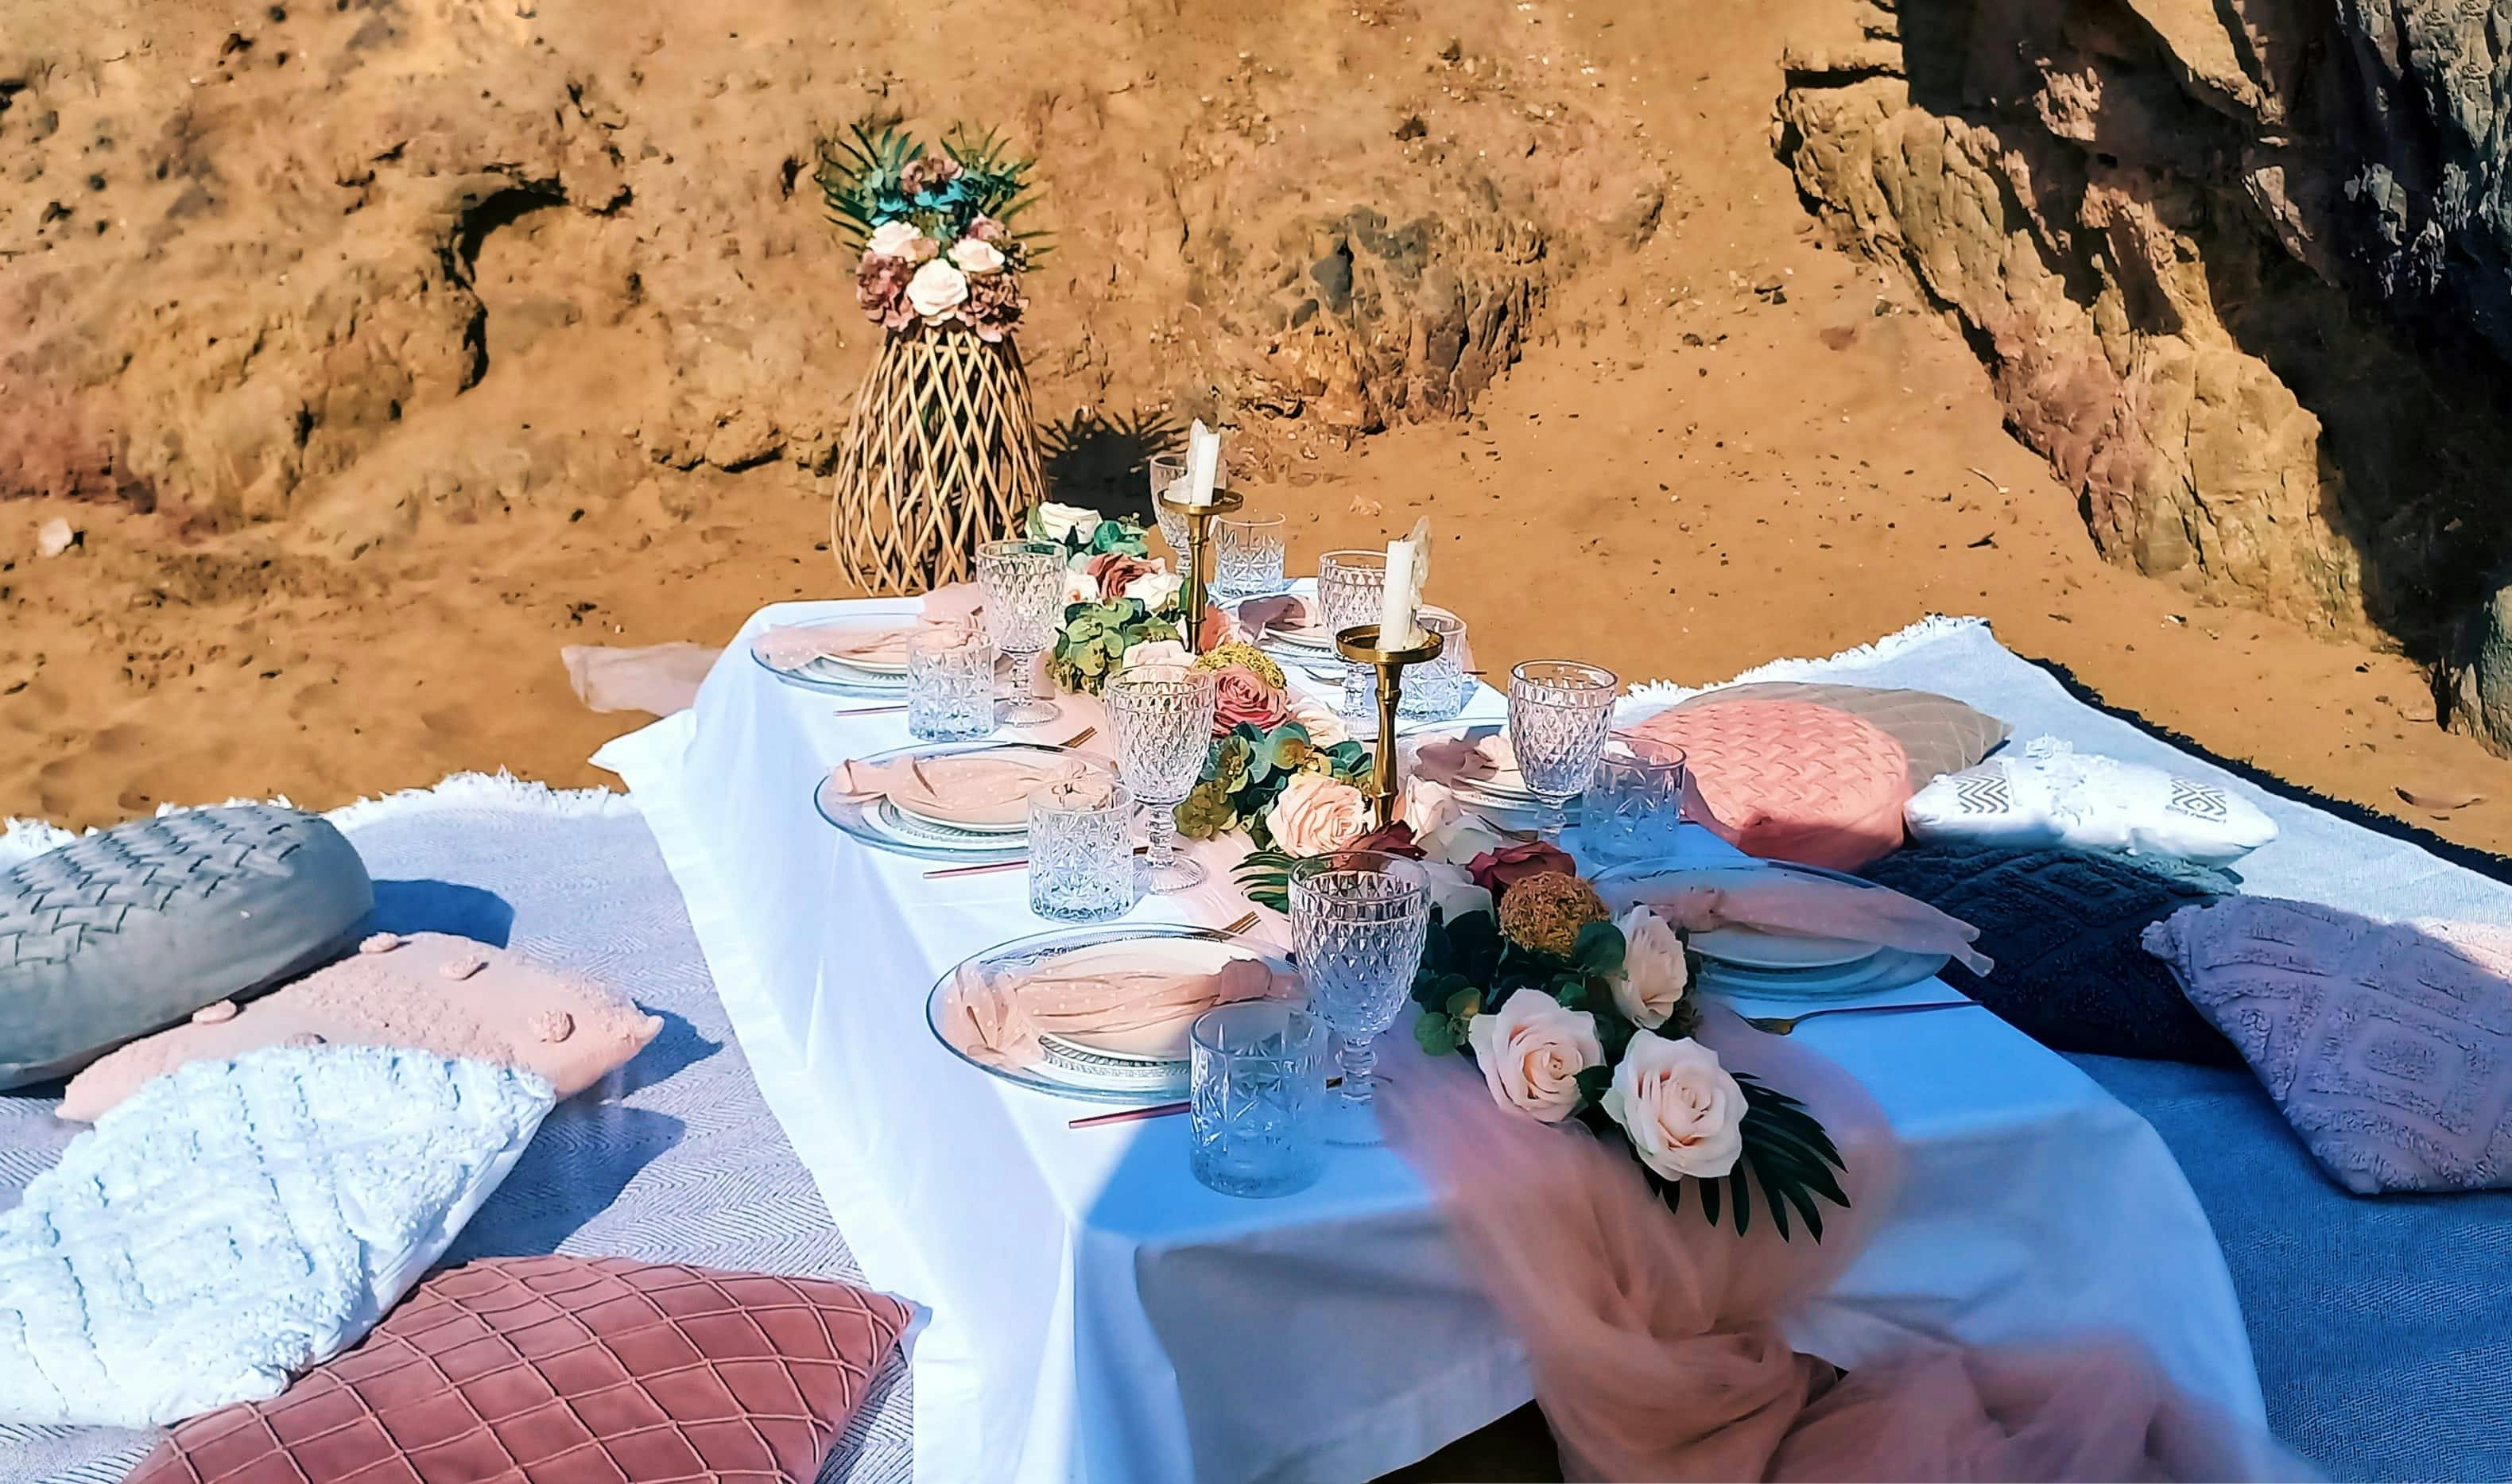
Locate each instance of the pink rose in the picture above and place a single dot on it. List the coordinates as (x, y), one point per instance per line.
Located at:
(1315, 814)
(1114, 569)
(1239, 694)
(1496, 871)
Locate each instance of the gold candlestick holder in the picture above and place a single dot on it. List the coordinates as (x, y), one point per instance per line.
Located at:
(1198, 527)
(1360, 645)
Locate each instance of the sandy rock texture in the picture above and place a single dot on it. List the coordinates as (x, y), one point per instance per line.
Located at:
(2241, 271)
(358, 264)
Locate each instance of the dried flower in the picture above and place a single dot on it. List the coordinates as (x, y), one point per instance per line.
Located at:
(1546, 911)
(880, 288)
(927, 172)
(1247, 657)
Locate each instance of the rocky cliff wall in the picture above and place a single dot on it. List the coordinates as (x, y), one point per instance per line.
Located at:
(353, 264)
(2242, 270)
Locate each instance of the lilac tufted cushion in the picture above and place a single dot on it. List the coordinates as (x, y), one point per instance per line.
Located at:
(2388, 1050)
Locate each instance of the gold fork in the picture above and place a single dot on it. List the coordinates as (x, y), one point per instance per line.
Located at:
(1080, 737)
(1781, 1025)
(1240, 926)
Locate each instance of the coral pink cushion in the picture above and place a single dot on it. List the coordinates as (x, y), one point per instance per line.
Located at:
(1789, 780)
(565, 1370)
(426, 992)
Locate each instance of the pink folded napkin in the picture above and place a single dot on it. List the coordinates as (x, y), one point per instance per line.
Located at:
(873, 638)
(1285, 613)
(1486, 758)
(983, 789)
(1800, 906)
(1122, 994)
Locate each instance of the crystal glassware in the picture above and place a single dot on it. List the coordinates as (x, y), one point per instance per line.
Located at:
(1247, 557)
(1081, 848)
(1259, 1079)
(1633, 807)
(950, 685)
(1023, 583)
(1160, 719)
(1559, 713)
(1436, 689)
(1352, 586)
(1358, 922)
(1166, 471)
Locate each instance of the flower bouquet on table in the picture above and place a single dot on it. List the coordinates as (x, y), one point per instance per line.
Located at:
(1571, 1013)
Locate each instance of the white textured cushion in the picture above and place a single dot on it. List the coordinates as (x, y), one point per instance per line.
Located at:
(2051, 794)
(234, 1222)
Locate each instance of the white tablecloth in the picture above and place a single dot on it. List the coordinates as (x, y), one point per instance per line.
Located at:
(1096, 1314)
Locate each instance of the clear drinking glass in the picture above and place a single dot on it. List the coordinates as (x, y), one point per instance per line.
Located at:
(1351, 588)
(1023, 583)
(1435, 689)
(1081, 849)
(1161, 718)
(950, 685)
(1358, 921)
(1247, 557)
(1166, 471)
(1634, 805)
(1559, 713)
(1260, 1090)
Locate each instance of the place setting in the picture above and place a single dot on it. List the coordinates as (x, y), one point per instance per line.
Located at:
(861, 657)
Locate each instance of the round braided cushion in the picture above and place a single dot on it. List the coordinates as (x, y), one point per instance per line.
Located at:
(1791, 780)
(129, 930)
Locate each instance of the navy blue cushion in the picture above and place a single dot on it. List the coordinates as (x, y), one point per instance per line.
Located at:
(2062, 926)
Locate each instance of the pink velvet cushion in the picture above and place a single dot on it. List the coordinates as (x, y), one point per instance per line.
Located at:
(565, 1370)
(1789, 780)
(426, 992)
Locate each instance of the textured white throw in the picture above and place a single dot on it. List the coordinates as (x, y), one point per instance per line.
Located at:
(233, 1223)
(2046, 794)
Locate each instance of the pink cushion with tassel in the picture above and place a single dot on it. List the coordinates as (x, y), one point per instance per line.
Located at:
(1789, 780)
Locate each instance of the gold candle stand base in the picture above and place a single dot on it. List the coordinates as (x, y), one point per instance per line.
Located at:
(1360, 645)
(1198, 526)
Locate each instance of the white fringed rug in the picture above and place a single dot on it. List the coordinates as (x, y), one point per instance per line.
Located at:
(675, 1158)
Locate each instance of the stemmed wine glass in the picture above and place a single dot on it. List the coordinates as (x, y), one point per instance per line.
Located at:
(1559, 714)
(1358, 922)
(1023, 583)
(1161, 718)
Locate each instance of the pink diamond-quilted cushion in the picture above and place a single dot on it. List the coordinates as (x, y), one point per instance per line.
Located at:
(1789, 780)
(565, 1370)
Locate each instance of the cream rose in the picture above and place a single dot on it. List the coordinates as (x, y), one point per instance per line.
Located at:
(896, 239)
(1532, 1050)
(1654, 974)
(1155, 590)
(1058, 523)
(936, 289)
(976, 258)
(1459, 841)
(1453, 890)
(1320, 720)
(1427, 807)
(1315, 814)
(1155, 651)
(1684, 1113)
(1080, 587)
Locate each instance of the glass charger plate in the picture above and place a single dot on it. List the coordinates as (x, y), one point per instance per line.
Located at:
(881, 826)
(1072, 1070)
(831, 676)
(1887, 968)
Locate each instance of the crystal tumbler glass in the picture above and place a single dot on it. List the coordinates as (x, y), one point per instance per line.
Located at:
(950, 685)
(1259, 1070)
(1633, 807)
(1247, 558)
(1358, 922)
(1160, 719)
(1435, 689)
(1081, 849)
(1023, 585)
(1168, 470)
(1559, 713)
(1352, 586)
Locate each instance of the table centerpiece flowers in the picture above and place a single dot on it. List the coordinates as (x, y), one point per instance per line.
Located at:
(1572, 1014)
(1119, 599)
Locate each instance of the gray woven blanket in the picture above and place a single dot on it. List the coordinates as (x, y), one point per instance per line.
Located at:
(675, 1158)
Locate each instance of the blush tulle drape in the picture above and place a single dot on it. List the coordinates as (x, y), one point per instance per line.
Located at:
(1656, 1339)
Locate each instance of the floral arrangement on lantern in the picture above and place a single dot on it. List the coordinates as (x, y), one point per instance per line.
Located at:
(935, 229)
(1572, 1013)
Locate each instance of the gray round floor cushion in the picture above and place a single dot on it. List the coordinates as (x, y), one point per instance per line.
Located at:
(131, 929)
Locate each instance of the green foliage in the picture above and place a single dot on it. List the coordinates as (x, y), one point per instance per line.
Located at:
(1249, 766)
(1095, 636)
(1265, 876)
(869, 178)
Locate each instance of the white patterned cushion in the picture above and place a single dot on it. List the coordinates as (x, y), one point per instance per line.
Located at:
(2051, 794)
(234, 1222)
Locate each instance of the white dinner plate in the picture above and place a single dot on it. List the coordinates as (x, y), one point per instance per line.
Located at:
(997, 832)
(1749, 948)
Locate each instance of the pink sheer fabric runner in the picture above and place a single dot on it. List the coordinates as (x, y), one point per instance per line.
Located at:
(998, 1019)
(1657, 1341)
(1800, 905)
(974, 787)
(872, 640)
